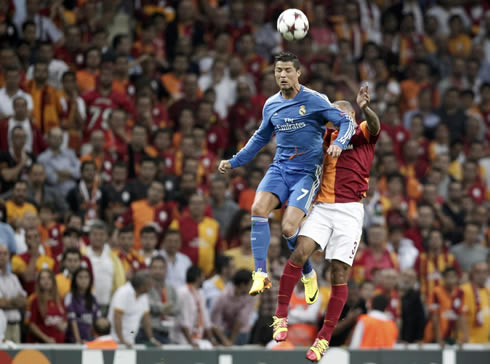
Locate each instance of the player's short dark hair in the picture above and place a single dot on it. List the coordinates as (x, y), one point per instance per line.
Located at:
(380, 302)
(287, 57)
(345, 104)
(222, 262)
(243, 276)
(149, 230)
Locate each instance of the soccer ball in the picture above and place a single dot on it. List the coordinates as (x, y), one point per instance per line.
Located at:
(292, 24)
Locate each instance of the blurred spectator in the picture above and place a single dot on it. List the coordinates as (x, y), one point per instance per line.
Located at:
(233, 308)
(28, 264)
(47, 107)
(474, 313)
(412, 309)
(177, 263)
(375, 329)
(81, 307)
(108, 269)
(129, 306)
(51, 231)
(200, 234)
(152, 209)
(10, 92)
(46, 314)
(147, 172)
(17, 207)
(442, 318)
(240, 220)
(71, 241)
(70, 262)
(193, 325)
(116, 195)
(376, 255)
(12, 298)
(470, 250)
(87, 76)
(61, 164)
(430, 265)
(149, 242)
(102, 336)
(224, 208)
(242, 254)
(402, 247)
(163, 300)
(34, 142)
(16, 161)
(102, 158)
(45, 28)
(214, 286)
(85, 197)
(7, 237)
(130, 257)
(40, 193)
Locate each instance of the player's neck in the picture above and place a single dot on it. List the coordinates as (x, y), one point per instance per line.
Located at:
(291, 93)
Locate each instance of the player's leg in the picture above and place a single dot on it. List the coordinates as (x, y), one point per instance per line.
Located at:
(302, 194)
(271, 192)
(342, 251)
(315, 233)
(290, 276)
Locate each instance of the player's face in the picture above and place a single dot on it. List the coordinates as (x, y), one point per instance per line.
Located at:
(286, 75)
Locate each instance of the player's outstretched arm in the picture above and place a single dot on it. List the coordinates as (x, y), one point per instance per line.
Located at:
(372, 120)
(260, 138)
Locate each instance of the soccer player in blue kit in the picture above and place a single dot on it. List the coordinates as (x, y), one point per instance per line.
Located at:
(297, 115)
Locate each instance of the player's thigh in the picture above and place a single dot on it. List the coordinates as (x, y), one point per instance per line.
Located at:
(273, 183)
(346, 233)
(318, 226)
(303, 192)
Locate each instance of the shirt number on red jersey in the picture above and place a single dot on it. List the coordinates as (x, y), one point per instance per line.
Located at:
(95, 111)
(305, 192)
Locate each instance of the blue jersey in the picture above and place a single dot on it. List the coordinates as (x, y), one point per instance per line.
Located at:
(299, 125)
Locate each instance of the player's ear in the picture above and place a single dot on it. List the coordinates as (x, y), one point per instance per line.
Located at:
(298, 72)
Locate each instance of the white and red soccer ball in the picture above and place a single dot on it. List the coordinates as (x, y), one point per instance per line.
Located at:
(293, 24)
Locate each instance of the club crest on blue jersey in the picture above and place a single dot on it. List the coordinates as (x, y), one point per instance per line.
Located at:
(302, 110)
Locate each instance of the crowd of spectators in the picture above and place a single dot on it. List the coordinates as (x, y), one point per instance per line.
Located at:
(114, 114)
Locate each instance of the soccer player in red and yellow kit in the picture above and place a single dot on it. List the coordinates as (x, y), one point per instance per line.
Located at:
(335, 222)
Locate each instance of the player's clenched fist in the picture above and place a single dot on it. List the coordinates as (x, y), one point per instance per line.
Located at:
(224, 166)
(334, 151)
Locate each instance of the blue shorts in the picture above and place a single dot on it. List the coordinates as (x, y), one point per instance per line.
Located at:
(298, 188)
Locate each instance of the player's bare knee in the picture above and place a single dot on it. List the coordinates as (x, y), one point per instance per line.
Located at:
(289, 228)
(340, 272)
(259, 208)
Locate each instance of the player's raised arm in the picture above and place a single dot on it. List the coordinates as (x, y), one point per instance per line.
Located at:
(260, 138)
(372, 120)
(346, 125)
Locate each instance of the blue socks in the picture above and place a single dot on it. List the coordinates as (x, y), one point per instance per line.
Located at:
(260, 236)
(307, 268)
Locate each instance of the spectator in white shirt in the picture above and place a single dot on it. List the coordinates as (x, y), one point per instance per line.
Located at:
(404, 249)
(56, 68)
(215, 285)
(178, 263)
(130, 306)
(10, 92)
(107, 267)
(45, 28)
(12, 298)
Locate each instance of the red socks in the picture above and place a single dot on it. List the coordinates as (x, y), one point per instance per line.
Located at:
(289, 279)
(334, 309)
